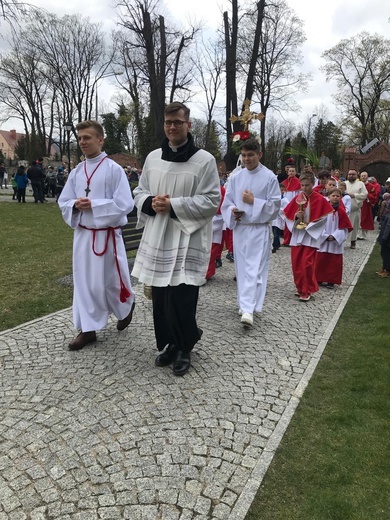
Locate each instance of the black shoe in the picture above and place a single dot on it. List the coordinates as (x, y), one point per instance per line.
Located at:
(167, 357)
(182, 363)
(330, 285)
(122, 324)
(218, 263)
(274, 250)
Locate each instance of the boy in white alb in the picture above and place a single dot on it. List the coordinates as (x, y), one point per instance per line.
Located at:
(95, 202)
(251, 203)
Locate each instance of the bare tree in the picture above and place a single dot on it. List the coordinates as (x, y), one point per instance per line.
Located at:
(25, 92)
(209, 63)
(155, 54)
(277, 58)
(73, 61)
(361, 67)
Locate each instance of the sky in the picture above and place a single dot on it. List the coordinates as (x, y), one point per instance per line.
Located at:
(324, 25)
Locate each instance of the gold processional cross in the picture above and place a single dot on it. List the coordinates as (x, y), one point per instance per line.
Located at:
(247, 116)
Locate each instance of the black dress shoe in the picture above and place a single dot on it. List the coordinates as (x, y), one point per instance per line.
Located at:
(83, 339)
(182, 363)
(167, 357)
(122, 324)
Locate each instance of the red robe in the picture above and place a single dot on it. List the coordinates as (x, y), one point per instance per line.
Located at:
(366, 218)
(215, 247)
(292, 184)
(303, 257)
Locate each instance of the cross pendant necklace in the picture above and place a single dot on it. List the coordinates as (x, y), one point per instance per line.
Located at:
(87, 189)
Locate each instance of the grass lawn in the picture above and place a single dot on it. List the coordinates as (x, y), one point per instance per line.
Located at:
(36, 252)
(334, 460)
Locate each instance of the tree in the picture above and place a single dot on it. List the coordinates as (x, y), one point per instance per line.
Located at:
(263, 50)
(73, 58)
(209, 63)
(361, 67)
(205, 137)
(152, 55)
(277, 134)
(115, 126)
(277, 59)
(327, 136)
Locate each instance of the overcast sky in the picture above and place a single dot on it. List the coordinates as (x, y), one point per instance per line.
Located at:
(324, 24)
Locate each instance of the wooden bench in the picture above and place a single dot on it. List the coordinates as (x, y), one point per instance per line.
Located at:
(131, 236)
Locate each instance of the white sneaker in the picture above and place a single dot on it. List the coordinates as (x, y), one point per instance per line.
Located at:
(247, 319)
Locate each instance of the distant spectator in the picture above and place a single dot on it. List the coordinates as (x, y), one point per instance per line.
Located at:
(52, 181)
(14, 187)
(3, 176)
(36, 176)
(324, 161)
(61, 179)
(21, 181)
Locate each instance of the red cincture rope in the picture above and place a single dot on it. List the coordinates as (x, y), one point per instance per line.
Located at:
(110, 232)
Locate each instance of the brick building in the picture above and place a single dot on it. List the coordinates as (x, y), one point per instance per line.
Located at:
(375, 160)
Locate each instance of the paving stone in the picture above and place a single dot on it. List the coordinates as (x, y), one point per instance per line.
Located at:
(103, 433)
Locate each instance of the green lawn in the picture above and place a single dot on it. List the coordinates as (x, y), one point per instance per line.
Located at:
(334, 460)
(35, 254)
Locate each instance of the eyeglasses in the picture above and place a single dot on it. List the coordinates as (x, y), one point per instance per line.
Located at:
(177, 123)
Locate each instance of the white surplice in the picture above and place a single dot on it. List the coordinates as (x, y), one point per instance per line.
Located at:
(252, 234)
(177, 250)
(96, 279)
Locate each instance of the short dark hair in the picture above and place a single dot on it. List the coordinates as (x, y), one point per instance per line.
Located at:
(175, 107)
(324, 174)
(89, 123)
(251, 144)
(307, 175)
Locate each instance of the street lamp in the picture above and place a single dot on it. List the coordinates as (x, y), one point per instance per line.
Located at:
(68, 127)
(308, 132)
(108, 75)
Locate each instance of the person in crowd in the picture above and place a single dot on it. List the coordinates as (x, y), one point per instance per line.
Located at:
(251, 203)
(384, 242)
(3, 176)
(329, 258)
(345, 197)
(384, 207)
(51, 177)
(292, 187)
(21, 180)
(95, 202)
(358, 193)
(366, 215)
(218, 225)
(36, 176)
(306, 219)
(324, 161)
(14, 187)
(177, 197)
(323, 178)
(331, 183)
(279, 224)
(60, 181)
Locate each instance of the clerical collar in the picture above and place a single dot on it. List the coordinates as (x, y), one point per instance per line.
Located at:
(175, 148)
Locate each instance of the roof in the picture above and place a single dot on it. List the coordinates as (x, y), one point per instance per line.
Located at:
(11, 136)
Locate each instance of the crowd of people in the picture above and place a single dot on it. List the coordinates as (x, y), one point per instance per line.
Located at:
(189, 212)
(47, 181)
(317, 214)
